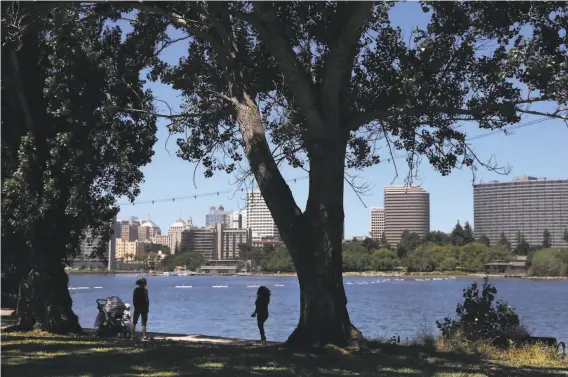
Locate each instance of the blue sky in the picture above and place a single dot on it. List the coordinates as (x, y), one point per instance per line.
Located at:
(537, 150)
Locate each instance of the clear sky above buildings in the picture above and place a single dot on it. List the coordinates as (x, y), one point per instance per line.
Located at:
(538, 150)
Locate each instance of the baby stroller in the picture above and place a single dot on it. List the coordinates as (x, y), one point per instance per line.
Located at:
(113, 318)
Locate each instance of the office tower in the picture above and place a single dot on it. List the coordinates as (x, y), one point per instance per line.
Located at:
(377, 225)
(406, 208)
(228, 241)
(129, 229)
(259, 219)
(200, 240)
(217, 215)
(527, 204)
(148, 230)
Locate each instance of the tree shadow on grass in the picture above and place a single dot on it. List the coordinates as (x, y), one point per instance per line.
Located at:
(50, 356)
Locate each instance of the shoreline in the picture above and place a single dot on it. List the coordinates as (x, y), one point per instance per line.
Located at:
(367, 274)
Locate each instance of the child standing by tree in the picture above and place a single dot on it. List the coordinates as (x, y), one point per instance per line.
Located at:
(141, 303)
(261, 310)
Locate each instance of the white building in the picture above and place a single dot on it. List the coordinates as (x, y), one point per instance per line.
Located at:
(259, 219)
(175, 233)
(377, 222)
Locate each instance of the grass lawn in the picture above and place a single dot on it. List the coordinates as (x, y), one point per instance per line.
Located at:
(42, 355)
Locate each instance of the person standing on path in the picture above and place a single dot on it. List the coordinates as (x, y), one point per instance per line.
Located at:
(261, 310)
(141, 303)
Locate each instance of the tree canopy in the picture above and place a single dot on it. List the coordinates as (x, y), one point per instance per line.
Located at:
(70, 146)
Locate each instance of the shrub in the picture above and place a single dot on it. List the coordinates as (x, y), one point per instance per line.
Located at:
(480, 319)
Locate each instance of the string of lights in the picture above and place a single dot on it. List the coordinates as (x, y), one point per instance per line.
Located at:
(295, 180)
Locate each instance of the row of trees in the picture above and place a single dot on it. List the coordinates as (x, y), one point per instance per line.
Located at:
(316, 84)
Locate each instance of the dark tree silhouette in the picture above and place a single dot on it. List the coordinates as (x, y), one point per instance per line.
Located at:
(70, 147)
(503, 241)
(485, 240)
(546, 243)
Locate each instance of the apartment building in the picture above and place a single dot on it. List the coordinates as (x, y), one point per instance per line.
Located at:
(526, 204)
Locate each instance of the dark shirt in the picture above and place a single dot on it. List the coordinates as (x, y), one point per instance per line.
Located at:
(261, 304)
(140, 300)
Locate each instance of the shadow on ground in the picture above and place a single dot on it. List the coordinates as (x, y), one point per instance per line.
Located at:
(53, 356)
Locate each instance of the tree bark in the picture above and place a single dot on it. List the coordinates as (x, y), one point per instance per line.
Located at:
(44, 302)
(324, 318)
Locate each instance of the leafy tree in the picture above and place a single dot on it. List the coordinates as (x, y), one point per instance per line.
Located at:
(70, 147)
(408, 242)
(448, 264)
(546, 239)
(247, 252)
(457, 236)
(384, 260)
(278, 261)
(370, 244)
(550, 262)
(384, 243)
(522, 246)
(357, 260)
(176, 248)
(504, 242)
(436, 237)
(485, 240)
(329, 81)
(191, 260)
(468, 236)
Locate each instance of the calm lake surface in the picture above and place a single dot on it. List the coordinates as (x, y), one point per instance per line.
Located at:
(377, 309)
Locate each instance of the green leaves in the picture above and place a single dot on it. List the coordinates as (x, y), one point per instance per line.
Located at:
(82, 148)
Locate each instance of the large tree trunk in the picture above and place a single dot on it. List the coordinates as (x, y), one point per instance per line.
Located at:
(323, 304)
(44, 301)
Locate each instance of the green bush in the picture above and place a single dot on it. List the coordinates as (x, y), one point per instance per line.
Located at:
(480, 319)
(550, 262)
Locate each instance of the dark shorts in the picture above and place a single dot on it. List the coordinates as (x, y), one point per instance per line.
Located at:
(144, 316)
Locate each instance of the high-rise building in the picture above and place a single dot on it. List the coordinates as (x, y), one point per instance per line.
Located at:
(129, 229)
(527, 204)
(236, 220)
(148, 230)
(218, 215)
(406, 208)
(259, 219)
(176, 233)
(377, 225)
(200, 240)
(228, 240)
(244, 218)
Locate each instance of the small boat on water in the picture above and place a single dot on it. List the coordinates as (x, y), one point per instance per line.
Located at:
(221, 286)
(253, 286)
(97, 287)
(279, 285)
(77, 288)
(184, 286)
(349, 283)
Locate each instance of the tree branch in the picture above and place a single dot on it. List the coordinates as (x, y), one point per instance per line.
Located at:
(265, 21)
(338, 68)
(367, 117)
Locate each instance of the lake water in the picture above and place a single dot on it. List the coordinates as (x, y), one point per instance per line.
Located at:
(377, 309)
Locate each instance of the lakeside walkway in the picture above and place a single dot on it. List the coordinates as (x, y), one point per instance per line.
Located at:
(7, 320)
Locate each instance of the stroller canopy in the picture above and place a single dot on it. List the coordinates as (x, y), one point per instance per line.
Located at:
(114, 305)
